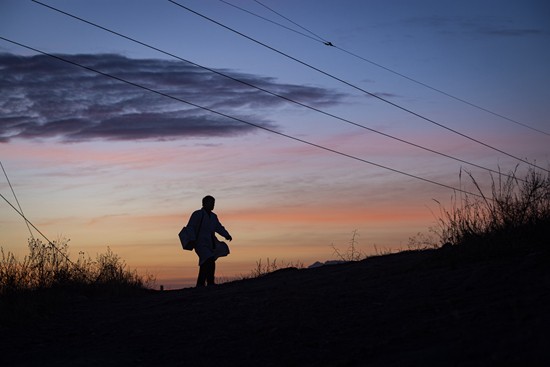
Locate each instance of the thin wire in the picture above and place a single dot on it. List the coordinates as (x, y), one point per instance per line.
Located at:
(361, 89)
(358, 88)
(241, 120)
(40, 232)
(324, 41)
(15, 196)
(445, 93)
(293, 22)
(271, 21)
(273, 93)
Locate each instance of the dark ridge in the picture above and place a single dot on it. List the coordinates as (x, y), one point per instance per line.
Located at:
(428, 307)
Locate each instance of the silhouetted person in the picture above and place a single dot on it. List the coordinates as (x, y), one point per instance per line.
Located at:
(204, 224)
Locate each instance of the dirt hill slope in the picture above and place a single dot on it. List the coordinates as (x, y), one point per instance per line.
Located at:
(413, 308)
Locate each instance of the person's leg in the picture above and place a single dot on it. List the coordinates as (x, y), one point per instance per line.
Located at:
(201, 279)
(210, 277)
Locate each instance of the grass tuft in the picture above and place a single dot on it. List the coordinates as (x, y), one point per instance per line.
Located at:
(515, 215)
(270, 266)
(352, 253)
(48, 266)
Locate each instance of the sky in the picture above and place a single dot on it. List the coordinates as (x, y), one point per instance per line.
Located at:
(301, 143)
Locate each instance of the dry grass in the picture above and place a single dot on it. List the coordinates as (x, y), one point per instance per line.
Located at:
(516, 214)
(352, 253)
(48, 266)
(269, 266)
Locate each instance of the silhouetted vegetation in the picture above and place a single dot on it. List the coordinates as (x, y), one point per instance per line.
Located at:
(48, 266)
(270, 266)
(516, 215)
(352, 253)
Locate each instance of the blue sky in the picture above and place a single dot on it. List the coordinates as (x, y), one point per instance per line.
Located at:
(104, 163)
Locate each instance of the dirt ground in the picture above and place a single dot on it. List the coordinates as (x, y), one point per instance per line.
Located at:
(414, 308)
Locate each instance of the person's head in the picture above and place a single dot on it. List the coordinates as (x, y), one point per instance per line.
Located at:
(208, 202)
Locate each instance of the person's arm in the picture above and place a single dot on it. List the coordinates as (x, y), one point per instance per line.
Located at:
(222, 231)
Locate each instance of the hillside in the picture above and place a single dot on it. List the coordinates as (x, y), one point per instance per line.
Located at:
(430, 307)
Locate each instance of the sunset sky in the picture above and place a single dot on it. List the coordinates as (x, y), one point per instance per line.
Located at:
(105, 163)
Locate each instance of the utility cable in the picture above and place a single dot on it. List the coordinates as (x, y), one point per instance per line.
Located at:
(273, 93)
(49, 242)
(328, 43)
(293, 22)
(471, 104)
(16, 200)
(43, 235)
(303, 141)
(358, 88)
(271, 21)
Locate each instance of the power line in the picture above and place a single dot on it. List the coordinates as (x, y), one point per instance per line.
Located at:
(446, 93)
(358, 88)
(40, 232)
(29, 222)
(293, 22)
(15, 196)
(273, 93)
(52, 244)
(303, 141)
(324, 41)
(271, 21)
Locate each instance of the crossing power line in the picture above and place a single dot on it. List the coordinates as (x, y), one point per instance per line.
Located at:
(274, 22)
(407, 110)
(27, 221)
(50, 243)
(324, 41)
(16, 200)
(288, 136)
(273, 93)
(293, 22)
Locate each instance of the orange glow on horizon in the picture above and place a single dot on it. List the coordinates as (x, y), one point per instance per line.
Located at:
(325, 215)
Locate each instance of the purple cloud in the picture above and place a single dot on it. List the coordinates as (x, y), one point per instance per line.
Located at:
(41, 97)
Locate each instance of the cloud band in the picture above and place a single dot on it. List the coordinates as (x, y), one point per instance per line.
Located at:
(41, 97)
